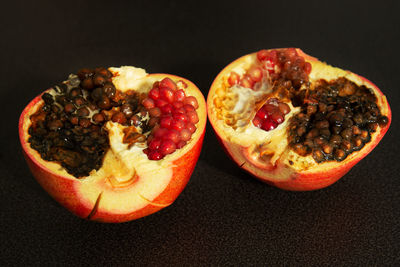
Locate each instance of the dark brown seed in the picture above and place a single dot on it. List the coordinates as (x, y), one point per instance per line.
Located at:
(109, 90)
(119, 117)
(84, 73)
(322, 107)
(79, 101)
(327, 148)
(309, 143)
(97, 94)
(84, 122)
(322, 124)
(347, 123)
(61, 99)
(127, 110)
(75, 93)
(87, 83)
(325, 132)
(346, 145)
(300, 149)
(336, 130)
(98, 80)
(152, 122)
(83, 112)
(357, 142)
(358, 118)
(105, 103)
(55, 125)
(336, 119)
(98, 118)
(301, 130)
(340, 154)
(336, 139)
(74, 120)
(355, 130)
(364, 135)
(319, 141)
(383, 120)
(134, 120)
(104, 72)
(347, 133)
(311, 109)
(69, 108)
(373, 126)
(47, 98)
(313, 133)
(318, 155)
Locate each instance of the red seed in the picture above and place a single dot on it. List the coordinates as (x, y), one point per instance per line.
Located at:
(182, 117)
(191, 100)
(268, 125)
(160, 132)
(262, 55)
(154, 93)
(246, 82)
(191, 127)
(257, 122)
(269, 109)
(179, 95)
(185, 134)
(155, 144)
(255, 73)
(277, 117)
(152, 122)
(167, 83)
(179, 111)
(167, 147)
(177, 104)
(98, 117)
(167, 94)
(148, 103)
(177, 125)
(155, 112)
(262, 114)
(160, 102)
(154, 155)
(172, 135)
(167, 109)
(118, 117)
(307, 67)
(193, 118)
(188, 107)
(233, 78)
(165, 121)
(180, 144)
(284, 108)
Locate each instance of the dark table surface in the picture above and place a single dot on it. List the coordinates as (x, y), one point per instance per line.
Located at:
(224, 216)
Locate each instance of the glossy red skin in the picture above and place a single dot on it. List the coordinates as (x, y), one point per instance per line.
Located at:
(304, 181)
(64, 191)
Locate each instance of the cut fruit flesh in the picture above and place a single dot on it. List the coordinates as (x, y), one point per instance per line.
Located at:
(266, 154)
(128, 185)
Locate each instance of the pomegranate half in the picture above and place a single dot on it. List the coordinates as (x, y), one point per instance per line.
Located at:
(293, 121)
(95, 142)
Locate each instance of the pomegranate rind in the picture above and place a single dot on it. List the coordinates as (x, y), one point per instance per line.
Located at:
(282, 175)
(79, 196)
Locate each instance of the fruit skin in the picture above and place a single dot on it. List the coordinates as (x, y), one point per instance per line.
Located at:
(67, 190)
(283, 176)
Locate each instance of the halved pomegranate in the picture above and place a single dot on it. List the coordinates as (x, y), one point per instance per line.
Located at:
(295, 122)
(98, 145)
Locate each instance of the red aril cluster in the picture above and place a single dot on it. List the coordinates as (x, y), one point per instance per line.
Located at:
(271, 114)
(174, 115)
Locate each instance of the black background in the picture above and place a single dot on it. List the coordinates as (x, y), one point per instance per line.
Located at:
(224, 216)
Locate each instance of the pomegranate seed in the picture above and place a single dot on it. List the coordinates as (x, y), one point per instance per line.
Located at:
(193, 118)
(182, 117)
(246, 82)
(167, 94)
(152, 122)
(181, 84)
(155, 144)
(307, 67)
(269, 109)
(167, 83)
(191, 100)
(167, 147)
(269, 66)
(185, 134)
(160, 102)
(257, 122)
(172, 135)
(262, 54)
(155, 112)
(191, 127)
(188, 108)
(177, 104)
(272, 57)
(156, 84)
(165, 122)
(179, 95)
(160, 132)
(148, 103)
(154, 93)
(154, 155)
(119, 117)
(180, 144)
(284, 108)
(233, 78)
(167, 109)
(262, 114)
(268, 125)
(177, 125)
(277, 117)
(291, 52)
(255, 74)
(179, 111)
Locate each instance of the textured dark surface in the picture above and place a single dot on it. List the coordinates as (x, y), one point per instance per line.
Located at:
(224, 216)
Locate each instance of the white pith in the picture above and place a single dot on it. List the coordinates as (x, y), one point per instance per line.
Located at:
(266, 154)
(127, 180)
